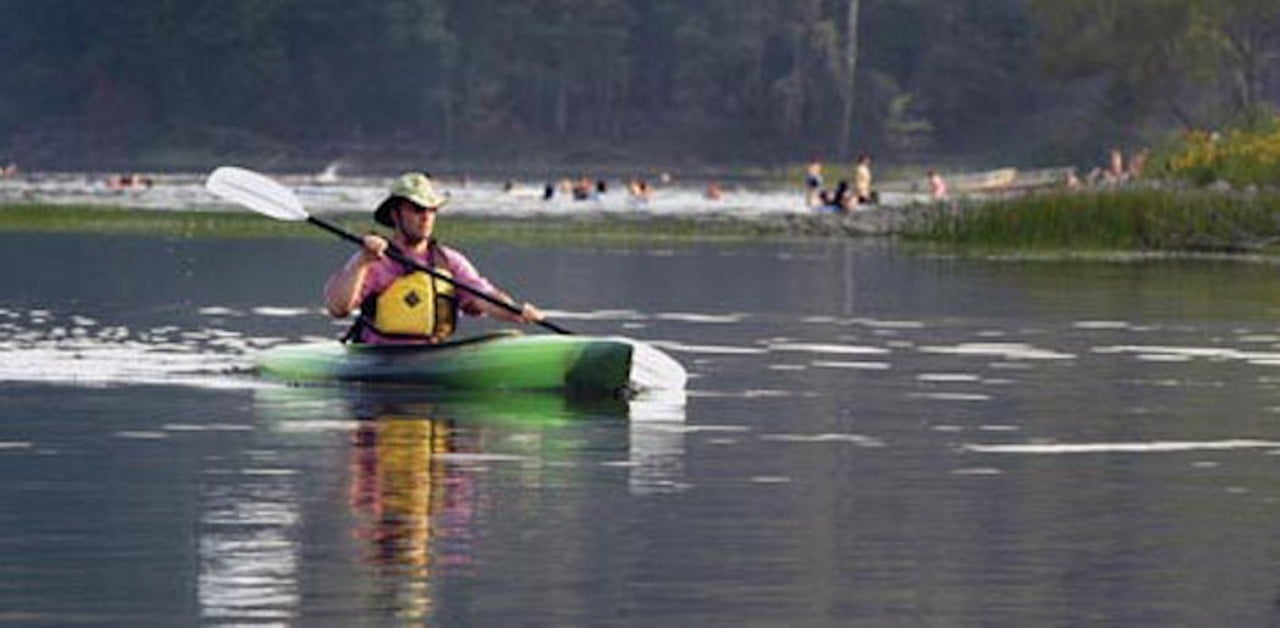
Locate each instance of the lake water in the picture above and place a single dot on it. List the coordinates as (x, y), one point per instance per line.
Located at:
(871, 437)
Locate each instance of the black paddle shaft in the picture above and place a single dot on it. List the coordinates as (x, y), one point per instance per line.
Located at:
(399, 256)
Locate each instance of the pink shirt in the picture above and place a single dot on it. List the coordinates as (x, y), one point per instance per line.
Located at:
(384, 271)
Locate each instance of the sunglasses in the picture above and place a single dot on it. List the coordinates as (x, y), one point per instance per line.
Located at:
(419, 209)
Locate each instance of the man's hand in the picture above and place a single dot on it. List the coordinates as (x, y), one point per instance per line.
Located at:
(531, 314)
(374, 247)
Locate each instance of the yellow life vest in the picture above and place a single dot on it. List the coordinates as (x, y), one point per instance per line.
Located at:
(416, 304)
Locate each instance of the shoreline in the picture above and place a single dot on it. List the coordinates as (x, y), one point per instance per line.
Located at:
(1132, 223)
(547, 226)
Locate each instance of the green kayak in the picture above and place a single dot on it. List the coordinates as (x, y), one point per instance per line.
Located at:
(501, 361)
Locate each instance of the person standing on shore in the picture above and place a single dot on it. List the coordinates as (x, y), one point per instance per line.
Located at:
(937, 186)
(862, 180)
(813, 183)
(401, 305)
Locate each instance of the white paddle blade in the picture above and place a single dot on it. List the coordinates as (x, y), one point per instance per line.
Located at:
(652, 369)
(258, 192)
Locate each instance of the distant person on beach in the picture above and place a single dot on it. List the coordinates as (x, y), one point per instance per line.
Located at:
(813, 183)
(10, 170)
(1115, 173)
(840, 200)
(582, 189)
(937, 186)
(1111, 173)
(713, 192)
(639, 190)
(131, 181)
(399, 305)
(862, 181)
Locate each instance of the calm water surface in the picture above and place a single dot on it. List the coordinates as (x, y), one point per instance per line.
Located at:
(871, 438)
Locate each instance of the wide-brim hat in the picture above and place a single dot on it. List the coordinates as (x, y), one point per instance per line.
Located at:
(414, 187)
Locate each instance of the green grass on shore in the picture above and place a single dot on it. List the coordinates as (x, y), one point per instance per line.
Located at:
(216, 224)
(1144, 220)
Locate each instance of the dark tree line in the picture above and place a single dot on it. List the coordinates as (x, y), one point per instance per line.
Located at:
(683, 82)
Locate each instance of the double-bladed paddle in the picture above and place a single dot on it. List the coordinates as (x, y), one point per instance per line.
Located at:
(651, 367)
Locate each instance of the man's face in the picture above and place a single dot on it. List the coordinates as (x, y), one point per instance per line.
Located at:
(416, 223)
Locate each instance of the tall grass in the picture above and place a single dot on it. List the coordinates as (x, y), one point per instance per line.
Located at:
(639, 231)
(1120, 220)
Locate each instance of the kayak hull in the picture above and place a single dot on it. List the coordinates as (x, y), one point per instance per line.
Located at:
(509, 361)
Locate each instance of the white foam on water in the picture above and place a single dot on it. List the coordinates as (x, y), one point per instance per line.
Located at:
(1122, 447)
(769, 479)
(1259, 338)
(217, 310)
(1162, 357)
(948, 377)
(977, 471)
(315, 425)
(15, 445)
(1258, 358)
(883, 324)
(1004, 350)
(682, 428)
(820, 320)
(206, 427)
(140, 435)
(722, 441)
(97, 361)
(690, 317)
(1010, 366)
(808, 347)
(945, 396)
(657, 405)
(282, 312)
(856, 439)
(622, 464)
(596, 315)
(680, 347)
(865, 366)
(1100, 325)
(788, 367)
(757, 393)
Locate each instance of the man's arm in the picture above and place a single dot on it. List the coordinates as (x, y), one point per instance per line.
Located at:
(343, 290)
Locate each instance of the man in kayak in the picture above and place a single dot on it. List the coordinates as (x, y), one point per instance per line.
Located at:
(400, 305)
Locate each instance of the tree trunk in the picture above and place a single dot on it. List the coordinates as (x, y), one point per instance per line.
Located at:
(850, 71)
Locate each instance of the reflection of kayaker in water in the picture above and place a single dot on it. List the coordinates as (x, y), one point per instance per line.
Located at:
(404, 500)
(400, 305)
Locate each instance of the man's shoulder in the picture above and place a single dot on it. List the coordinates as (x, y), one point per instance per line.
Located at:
(452, 257)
